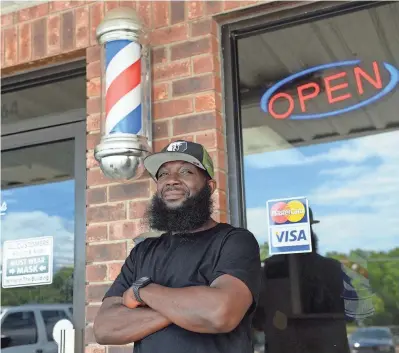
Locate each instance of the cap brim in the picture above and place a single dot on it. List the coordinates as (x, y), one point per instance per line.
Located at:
(153, 162)
(315, 221)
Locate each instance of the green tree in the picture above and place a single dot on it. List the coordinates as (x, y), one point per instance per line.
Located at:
(383, 275)
(264, 251)
(383, 270)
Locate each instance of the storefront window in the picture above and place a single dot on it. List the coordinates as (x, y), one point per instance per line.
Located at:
(319, 120)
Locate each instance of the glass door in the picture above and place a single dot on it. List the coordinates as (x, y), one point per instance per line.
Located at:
(318, 121)
(42, 237)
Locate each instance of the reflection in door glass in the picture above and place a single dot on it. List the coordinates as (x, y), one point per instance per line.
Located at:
(21, 327)
(344, 296)
(37, 243)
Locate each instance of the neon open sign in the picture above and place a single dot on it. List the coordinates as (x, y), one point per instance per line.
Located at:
(335, 86)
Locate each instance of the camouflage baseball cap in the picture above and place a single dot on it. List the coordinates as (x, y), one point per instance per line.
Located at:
(180, 150)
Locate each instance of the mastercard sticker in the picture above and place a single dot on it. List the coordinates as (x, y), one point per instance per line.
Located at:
(288, 211)
(289, 226)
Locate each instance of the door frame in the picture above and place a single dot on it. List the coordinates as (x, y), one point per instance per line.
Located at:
(36, 78)
(77, 132)
(274, 18)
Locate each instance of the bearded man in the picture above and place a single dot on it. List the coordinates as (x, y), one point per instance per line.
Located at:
(194, 288)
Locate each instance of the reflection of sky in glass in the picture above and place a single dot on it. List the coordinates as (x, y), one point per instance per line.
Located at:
(42, 210)
(351, 186)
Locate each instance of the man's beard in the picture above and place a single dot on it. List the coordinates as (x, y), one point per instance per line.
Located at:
(189, 216)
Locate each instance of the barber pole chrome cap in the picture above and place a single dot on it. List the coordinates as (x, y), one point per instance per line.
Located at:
(126, 96)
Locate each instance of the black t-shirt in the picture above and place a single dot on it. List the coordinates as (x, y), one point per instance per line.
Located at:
(197, 259)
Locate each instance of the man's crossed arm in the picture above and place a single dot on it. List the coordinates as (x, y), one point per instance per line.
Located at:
(117, 324)
(215, 309)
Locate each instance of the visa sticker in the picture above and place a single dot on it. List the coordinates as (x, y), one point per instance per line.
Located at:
(289, 226)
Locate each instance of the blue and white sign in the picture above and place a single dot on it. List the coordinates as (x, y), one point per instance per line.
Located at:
(289, 226)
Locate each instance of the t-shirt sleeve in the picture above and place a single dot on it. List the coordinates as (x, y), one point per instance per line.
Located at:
(240, 258)
(126, 276)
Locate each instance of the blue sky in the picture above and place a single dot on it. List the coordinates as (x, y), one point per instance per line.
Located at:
(55, 199)
(350, 186)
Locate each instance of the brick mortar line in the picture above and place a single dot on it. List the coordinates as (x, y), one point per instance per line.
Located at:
(98, 168)
(184, 95)
(192, 95)
(173, 79)
(205, 131)
(116, 241)
(202, 55)
(100, 224)
(185, 115)
(182, 135)
(99, 263)
(108, 242)
(106, 262)
(91, 187)
(111, 203)
(128, 208)
(158, 65)
(208, 111)
(107, 202)
(94, 224)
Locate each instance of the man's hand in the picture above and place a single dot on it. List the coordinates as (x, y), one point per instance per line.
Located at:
(129, 299)
(116, 324)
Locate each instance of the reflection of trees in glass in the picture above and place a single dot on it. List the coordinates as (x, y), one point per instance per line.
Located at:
(60, 291)
(383, 274)
(264, 251)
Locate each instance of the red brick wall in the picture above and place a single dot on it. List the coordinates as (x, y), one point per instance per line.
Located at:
(186, 91)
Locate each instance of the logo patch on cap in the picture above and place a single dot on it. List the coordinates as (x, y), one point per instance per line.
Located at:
(178, 146)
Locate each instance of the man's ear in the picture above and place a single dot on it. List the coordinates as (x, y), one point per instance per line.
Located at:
(212, 185)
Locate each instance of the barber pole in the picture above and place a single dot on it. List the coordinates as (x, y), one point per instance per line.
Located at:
(126, 96)
(123, 87)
